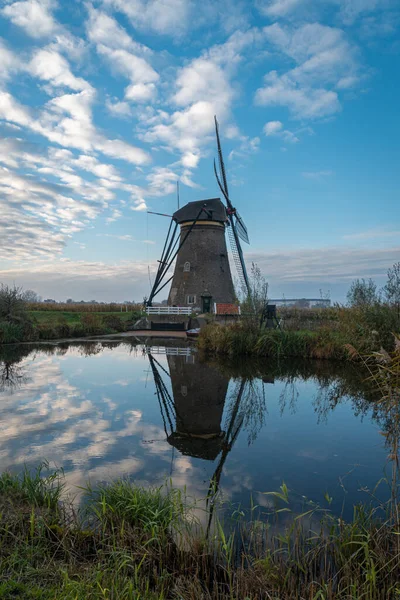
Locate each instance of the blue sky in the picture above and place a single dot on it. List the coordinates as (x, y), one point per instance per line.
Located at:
(104, 105)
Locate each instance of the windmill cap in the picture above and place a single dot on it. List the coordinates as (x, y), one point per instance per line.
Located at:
(214, 211)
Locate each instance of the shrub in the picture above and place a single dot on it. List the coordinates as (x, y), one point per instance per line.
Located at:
(114, 322)
(92, 324)
(12, 304)
(10, 333)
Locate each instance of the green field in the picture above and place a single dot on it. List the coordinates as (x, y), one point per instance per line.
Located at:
(54, 316)
(63, 324)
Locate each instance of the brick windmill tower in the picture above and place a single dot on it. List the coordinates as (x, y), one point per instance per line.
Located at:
(202, 275)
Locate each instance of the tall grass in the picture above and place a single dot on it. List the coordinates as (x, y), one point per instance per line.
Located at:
(150, 509)
(126, 543)
(307, 333)
(38, 488)
(236, 340)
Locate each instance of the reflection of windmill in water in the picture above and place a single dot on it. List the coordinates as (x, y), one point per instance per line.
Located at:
(193, 414)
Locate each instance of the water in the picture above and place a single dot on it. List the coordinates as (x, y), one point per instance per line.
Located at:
(105, 410)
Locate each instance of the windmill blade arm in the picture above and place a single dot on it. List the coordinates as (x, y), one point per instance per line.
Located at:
(241, 228)
(220, 185)
(220, 157)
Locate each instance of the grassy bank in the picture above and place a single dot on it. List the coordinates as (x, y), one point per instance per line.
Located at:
(129, 542)
(307, 333)
(59, 324)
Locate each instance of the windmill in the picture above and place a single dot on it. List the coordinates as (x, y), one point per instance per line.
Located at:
(196, 241)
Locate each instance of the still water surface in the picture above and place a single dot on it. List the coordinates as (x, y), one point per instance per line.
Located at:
(105, 410)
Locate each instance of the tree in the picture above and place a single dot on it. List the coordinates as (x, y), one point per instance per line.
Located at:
(362, 293)
(12, 303)
(31, 296)
(392, 287)
(255, 305)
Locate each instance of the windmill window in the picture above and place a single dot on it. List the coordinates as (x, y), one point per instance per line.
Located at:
(191, 299)
(186, 266)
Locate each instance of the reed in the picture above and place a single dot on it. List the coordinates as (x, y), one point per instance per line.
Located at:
(131, 542)
(236, 340)
(306, 333)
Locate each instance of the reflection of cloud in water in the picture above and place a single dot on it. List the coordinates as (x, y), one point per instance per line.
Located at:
(50, 418)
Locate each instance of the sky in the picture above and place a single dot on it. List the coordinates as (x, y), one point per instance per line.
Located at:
(105, 105)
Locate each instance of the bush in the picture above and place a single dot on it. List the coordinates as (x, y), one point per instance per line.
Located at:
(12, 304)
(92, 324)
(10, 333)
(114, 322)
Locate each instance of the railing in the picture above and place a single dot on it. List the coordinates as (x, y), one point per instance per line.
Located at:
(169, 310)
(169, 351)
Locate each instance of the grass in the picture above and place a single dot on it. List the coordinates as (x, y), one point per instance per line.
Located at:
(306, 333)
(237, 340)
(71, 317)
(80, 307)
(34, 489)
(130, 542)
(59, 324)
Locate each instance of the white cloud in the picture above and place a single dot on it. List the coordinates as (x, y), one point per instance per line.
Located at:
(12, 110)
(324, 61)
(47, 64)
(162, 16)
(103, 29)
(124, 55)
(334, 264)
(9, 62)
(135, 68)
(162, 181)
(348, 11)
(65, 278)
(279, 8)
(118, 108)
(67, 120)
(140, 92)
(42, 209)
(275, 128)
(203, 89)
(302, 102)
(33, 16)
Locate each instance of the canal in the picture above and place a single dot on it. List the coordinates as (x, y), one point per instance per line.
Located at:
(103, 410)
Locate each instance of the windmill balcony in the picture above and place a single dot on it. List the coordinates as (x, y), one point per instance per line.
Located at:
(169, 310)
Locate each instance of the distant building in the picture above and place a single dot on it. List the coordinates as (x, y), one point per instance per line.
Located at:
(301, 302)
(50, 301)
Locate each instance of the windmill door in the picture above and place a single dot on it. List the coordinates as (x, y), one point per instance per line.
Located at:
(206, 304)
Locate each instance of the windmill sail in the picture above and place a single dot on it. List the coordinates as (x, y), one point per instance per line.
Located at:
(241, 229)
(237, 229)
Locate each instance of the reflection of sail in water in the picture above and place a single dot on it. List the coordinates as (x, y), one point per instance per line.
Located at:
(193, 414)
